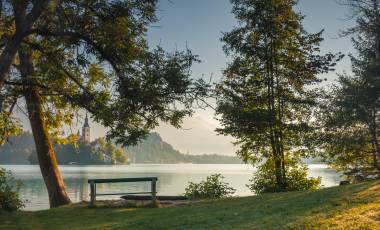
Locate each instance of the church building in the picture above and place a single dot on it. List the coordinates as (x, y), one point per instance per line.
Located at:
(86, 131)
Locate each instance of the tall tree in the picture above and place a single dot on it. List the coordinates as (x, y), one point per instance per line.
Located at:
(349, 117)
(263, 101)
(93, 55)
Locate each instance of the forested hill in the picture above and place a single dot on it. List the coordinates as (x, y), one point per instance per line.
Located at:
(151, 150)
(20, 150)
(154, 150)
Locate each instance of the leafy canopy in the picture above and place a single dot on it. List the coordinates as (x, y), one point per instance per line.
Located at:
(93, 55)
(350, 112)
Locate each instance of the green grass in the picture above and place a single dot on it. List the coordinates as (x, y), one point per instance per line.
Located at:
(347, 207)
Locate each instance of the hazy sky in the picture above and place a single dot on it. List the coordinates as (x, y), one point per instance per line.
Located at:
(198, 25)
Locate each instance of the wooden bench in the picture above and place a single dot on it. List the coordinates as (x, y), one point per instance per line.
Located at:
(93, 183)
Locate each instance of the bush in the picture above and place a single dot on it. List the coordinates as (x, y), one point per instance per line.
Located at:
(264, 180)
(9, 192)
(360, 174)
(212, 188)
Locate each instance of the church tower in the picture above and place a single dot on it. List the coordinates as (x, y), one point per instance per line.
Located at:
(86, 131)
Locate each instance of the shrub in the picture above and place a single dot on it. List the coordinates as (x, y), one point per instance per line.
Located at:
(9, 192)
(264, 180)
(360, 174)
(212, 188)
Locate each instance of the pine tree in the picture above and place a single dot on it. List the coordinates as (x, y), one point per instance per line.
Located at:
(263, 101)
(349, 114)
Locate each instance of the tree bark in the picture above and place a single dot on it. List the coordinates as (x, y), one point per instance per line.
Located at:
(375, 143)
(374, 157)
(283, 170)
(279, 178)
(7, 57)
(277, 162)
(45, 151)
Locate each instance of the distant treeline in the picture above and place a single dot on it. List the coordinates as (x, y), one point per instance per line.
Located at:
(21, 150)
(68, 154)
(210, 159)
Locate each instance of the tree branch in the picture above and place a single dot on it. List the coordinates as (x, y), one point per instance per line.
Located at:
(78, 36)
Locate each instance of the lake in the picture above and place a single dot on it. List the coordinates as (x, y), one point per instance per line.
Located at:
(172, 179)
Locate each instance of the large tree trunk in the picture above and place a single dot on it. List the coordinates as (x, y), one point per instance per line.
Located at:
(45, 151)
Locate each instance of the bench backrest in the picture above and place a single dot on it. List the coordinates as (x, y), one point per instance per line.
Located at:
(120, 180)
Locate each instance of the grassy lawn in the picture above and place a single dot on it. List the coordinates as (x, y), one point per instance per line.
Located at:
(347, 207)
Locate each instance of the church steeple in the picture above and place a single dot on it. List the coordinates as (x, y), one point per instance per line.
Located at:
(86, 122)
(86, 131)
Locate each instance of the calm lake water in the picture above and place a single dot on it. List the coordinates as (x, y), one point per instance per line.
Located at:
(172, 179)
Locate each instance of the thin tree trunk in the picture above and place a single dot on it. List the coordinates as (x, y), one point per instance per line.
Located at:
(279, 178)
(45, 151)
(374, 140)
(280, 166)
(277, 118)
(283, 166)
(376, 146)
(374, 158)
(277, 162)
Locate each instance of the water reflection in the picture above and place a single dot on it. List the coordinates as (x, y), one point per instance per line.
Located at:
(172, 179)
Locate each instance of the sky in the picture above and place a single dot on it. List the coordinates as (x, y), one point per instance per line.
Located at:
(198, 25)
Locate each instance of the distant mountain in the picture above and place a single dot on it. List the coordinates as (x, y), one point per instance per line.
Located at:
(197, 135)
(154, 150)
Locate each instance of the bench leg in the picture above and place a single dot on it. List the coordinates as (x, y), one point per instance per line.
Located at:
(154, 191)
(92, 193)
